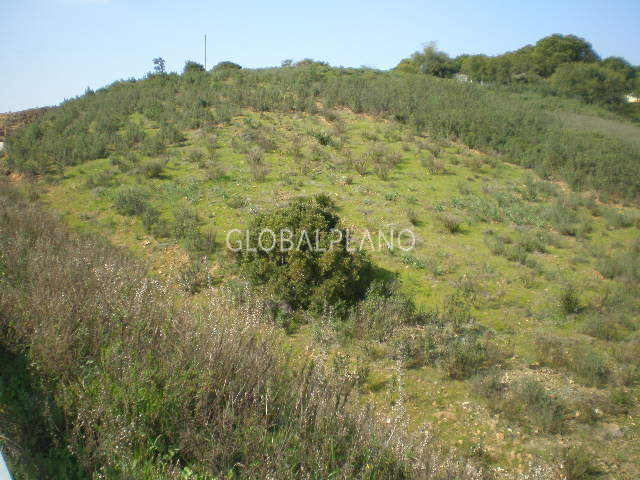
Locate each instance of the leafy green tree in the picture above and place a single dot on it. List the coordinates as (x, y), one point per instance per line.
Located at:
(159, 65)
(555, 50)
(191, 66)
(477, 67)
(227, 65)
(590, 82)
(407, 65)
(310, 62)
(620, 65)
(430, 61)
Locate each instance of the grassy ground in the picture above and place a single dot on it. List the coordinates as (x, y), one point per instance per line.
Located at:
(627, 131)
(545, 267)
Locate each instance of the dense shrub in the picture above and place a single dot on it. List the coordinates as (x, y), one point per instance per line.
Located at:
(383, 310)
(452, 223)
(193, 67)
(186, 220)
(227, 65)
(154, 223)
(570, 300)
(525, 401)
(131, 200)
(152, 168)
(305, 275)
(589, 365)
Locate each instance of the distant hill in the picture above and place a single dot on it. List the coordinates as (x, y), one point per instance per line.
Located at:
(12, 121)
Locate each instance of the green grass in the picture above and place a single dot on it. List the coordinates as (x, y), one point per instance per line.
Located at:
(30, 425)
(141, 381)
(526, 255)
(526, 251)
(626, 131)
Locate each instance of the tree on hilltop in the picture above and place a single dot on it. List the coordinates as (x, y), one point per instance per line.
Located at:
(191, 66)
(159, 65)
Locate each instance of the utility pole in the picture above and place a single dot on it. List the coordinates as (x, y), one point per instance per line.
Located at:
(205, 52)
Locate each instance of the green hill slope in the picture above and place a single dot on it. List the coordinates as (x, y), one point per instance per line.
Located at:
(511, 332)
(482, 119)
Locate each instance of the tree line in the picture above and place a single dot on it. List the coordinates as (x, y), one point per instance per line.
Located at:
(565, 65)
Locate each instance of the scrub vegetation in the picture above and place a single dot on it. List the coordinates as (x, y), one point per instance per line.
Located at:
(505, 344)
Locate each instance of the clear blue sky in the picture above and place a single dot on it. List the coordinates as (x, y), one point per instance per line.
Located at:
(53, 49)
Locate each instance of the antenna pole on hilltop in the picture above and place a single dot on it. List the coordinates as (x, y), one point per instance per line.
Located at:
(205, 52)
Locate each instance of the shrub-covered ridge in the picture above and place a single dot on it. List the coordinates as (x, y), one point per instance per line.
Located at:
(98, 124)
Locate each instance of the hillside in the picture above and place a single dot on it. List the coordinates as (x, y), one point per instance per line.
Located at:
(479, 118)
(509, 333)
(10, 122)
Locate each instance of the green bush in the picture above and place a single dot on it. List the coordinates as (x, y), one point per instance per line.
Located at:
(464, 356)
(131, 200)
(589, 365)
(383, 310)
(570, 300)
(153, 146)
(323, 138)
(304, 275)
(170, 134)
(186, 220)
(524, 401)
(589, 82)
(192, 67)
(226, 65)
(576, 463)
(154, 223)
(621, 218)
(452, 223)
(152, 168)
